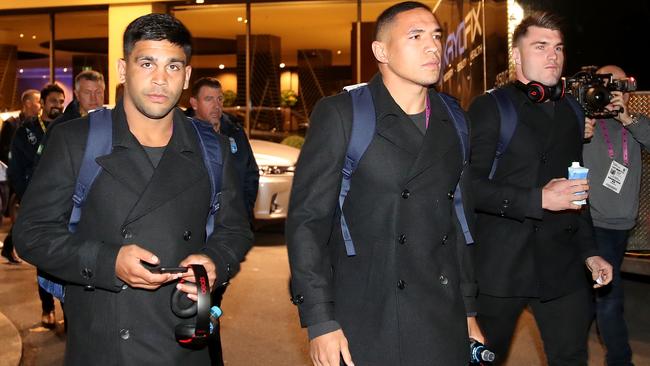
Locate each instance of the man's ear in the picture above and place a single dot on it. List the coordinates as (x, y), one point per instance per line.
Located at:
(188, 73)
(379, 50)
(516, 55)
(194, 103)
(121, 70)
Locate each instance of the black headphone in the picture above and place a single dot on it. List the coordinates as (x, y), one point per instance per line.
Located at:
(193, 335)
(540, 93)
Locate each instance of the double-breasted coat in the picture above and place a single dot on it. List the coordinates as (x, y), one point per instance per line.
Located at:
(525, 250)
(162, 209)
(403, 299)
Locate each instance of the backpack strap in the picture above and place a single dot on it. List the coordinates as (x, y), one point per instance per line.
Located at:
(508, 124)
(213, 160)
(363, 129)
(458, 117)
(98, 143)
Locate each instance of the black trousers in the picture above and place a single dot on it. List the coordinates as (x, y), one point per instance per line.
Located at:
(214, 346)
(563, 324)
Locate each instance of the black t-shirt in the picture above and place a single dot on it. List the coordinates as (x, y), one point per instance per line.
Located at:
(154, 154)
(420, 121)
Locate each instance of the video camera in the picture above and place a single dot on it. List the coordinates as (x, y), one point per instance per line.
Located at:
(593, 91)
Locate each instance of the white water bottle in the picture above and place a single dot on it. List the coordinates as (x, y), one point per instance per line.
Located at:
(578, 172)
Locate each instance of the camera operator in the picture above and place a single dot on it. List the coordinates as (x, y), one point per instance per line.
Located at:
(613, 156)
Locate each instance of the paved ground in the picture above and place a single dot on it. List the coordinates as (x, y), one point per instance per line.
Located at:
(260, 326)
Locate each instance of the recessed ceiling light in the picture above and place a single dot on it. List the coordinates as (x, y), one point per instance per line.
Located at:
(282, 65)
(222, 66)
(21, 71)
(240, 19)
(200, 1)
(33, 37)
(65, 69)
(338, 52)
(22, 35)
(44, 76)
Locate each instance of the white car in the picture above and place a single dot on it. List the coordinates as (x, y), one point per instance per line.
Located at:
(277, 163)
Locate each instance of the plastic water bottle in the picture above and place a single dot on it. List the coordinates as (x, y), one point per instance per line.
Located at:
(578, 172)
(479, 353)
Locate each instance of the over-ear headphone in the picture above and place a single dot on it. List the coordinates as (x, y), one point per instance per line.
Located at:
(539, 93)
(193, 335)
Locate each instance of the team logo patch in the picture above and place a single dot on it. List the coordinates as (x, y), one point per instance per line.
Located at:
(233, 145)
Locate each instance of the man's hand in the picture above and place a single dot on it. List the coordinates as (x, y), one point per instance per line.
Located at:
(210, 268)
(590, 124)
(326, 350)
(559, 193)
(474, 330)
(129, 269)
(619, 103)
(601, 271)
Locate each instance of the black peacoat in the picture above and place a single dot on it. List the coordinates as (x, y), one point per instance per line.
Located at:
(525, 250)
(162, 209)
(403, 299)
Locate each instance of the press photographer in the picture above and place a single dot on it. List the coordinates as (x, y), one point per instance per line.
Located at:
(613, 156)
(595, 90)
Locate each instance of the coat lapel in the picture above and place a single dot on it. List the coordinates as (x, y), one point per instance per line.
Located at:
(392, 123)
(180, 167)
(440, 137)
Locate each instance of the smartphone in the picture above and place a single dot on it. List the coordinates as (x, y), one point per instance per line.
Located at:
(168, 269)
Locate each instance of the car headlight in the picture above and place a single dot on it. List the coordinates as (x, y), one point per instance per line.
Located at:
(276, 170)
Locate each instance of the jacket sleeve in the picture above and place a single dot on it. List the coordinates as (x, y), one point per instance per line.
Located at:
(313, 212)
(492, 196)
(41, 232)
(18, 161)
(251, 178)
(232, 237)
(468, 285)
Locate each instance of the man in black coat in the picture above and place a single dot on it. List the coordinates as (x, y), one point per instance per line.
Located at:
(149, 205)
(407, 296)
(534, 241)
(22, 163)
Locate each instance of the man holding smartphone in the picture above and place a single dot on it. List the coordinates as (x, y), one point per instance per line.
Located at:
(147, 207)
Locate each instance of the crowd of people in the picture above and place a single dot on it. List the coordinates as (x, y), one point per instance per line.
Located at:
(414, 227)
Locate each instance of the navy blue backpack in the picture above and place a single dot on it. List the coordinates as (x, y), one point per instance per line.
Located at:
(100, 142)
(363, 129)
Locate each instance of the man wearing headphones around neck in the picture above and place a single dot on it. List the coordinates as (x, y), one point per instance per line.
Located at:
(536, 246)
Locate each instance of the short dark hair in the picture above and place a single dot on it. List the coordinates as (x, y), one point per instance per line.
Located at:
(90, 75)
(205, 81)
(50, 88)
(28, 94)
(388, 15)
(157, 27)
(544, 20)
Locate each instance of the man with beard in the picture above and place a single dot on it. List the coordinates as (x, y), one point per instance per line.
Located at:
(22, 162)
(148, 206)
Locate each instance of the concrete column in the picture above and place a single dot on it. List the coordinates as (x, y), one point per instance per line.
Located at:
(119, 17)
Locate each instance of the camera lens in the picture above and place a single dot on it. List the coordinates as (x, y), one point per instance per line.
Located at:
(597, 97)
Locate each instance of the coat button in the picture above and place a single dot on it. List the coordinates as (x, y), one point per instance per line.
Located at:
(406, 194)
(569, 228)
(187, 235)
(87, 273)
(124, 334)
(506, 201)
(543, 158)
(535, 228)
(401, 284)
(443, 280)
(450, 195)
(444, 239)
(126, 234)
(298, 299)
(402, 239)
(125, 286)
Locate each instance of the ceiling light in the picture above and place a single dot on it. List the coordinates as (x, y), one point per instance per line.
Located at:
(65, 69)
(21, 71)
(239, 19)
(338, 52)
(222, 66)
(200, 1)
(282, 65)
(245, 20)
(33, 37)
(44, 76)
(22, 35)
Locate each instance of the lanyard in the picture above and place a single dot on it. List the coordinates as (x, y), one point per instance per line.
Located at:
(42, 125)
(427, 109)
(610, 147)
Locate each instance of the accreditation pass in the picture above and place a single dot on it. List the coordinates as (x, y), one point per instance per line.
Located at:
(615, 176)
